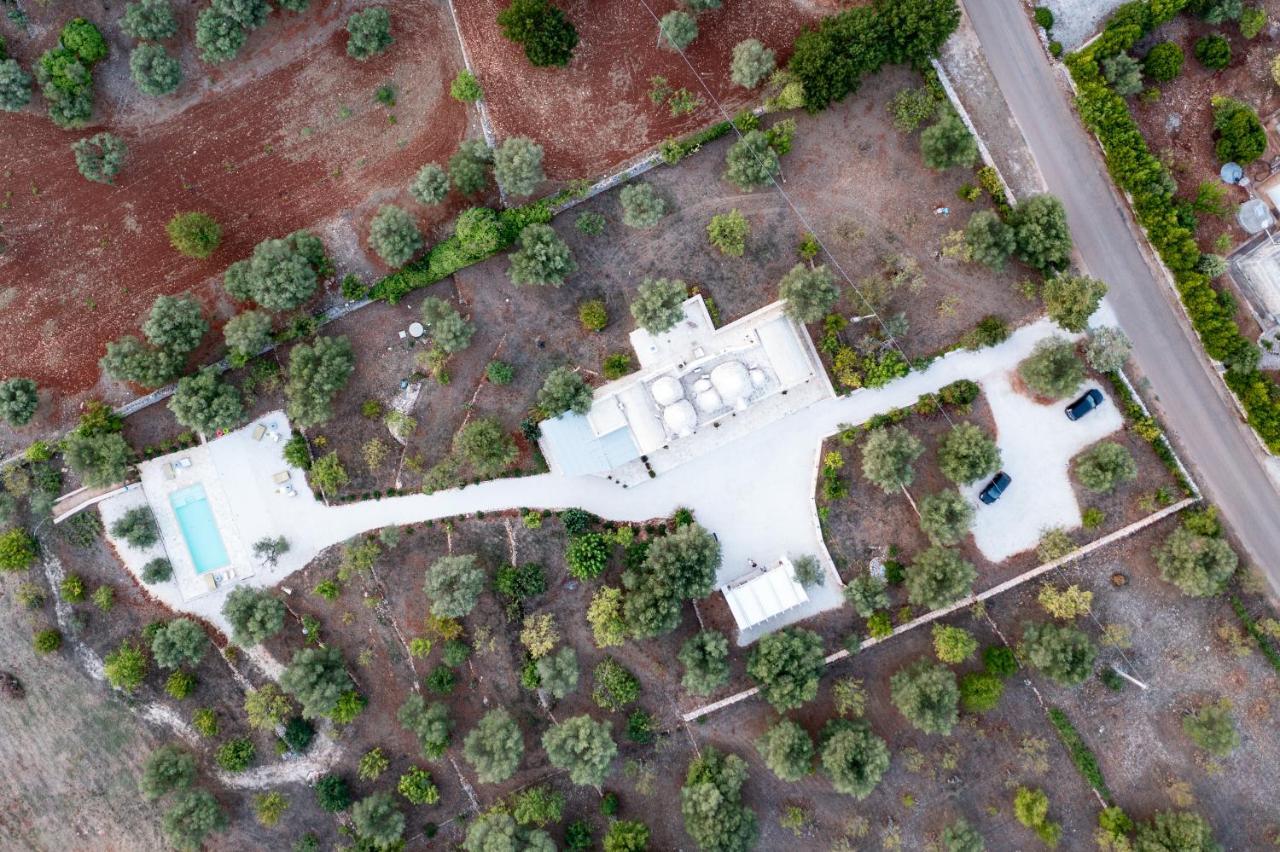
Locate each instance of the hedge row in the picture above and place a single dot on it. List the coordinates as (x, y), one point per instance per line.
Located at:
(1170, 222)
(1251, 627)
(1148, 428)
(1081, 755)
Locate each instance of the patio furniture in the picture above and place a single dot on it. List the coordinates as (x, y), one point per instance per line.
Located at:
(169, 472)
(209, 582)
(184, 462)
(289, 491)
(281, 477)
(259, 431)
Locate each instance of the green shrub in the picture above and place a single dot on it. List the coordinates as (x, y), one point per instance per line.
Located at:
(466, 88)
(1043, 17)
(369, 33)
(1240, 135)
(1213, 51)
(1163, 62)
(194, 234)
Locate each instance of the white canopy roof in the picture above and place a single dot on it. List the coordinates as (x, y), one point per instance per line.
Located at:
(765, 595)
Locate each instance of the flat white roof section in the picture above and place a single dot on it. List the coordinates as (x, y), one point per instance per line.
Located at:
(785, 355)
(765, 594)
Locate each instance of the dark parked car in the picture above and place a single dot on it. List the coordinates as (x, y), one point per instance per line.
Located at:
(1082, 406)
(995, 488)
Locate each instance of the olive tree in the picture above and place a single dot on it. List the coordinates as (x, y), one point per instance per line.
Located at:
(368, 33)
(1052, 369)
(866, 593)
(206, 403)
(485, 445)
(219, 36)
(558, 672)
(18, 401)
(317, 679)
(967, 453)
(378, 821)
(1175, 831)
(138, 527)
(1124, 73)
(1108, 348)
(496, 830)
(705, 657)
(787, 749)
(925, 693)
(179, 642)
(249, 14)
(853, 757)
(583, 747)
(1063, 653)
(1041, 234)
(1198, 564)
(449, 330)
(15, 86)
(959, 836)
(453, 584)
(149, 20)
(945, 517)
(990, 241)
(888, 457)
(938, 577)
(494, 747)
(641, 206)
(542, 259)
(659, 304)
(98, 459)
(430, 723)
(193, 817)
(430, 185)
(316, 373)
(1213, 728)
(787, 665)
(469, 166)
(678, 29)
(546, 34)
(246, 334)
(281, 274)
(751, 162)
(752, 62)
(154, 71)
(517, 165)
(394, 235)
(947, 143)
(1071, 299)
(711, 803)
(254, 615)
(809, 292)
(100, 157)
(1103, 467)
(564, 390)
(168, 768)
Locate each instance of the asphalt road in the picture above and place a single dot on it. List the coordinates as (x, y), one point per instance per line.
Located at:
(1195, 405)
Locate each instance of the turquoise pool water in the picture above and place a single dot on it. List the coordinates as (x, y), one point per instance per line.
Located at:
(200, 530)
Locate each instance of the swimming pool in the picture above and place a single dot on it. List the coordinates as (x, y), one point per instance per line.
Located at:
(195, 518)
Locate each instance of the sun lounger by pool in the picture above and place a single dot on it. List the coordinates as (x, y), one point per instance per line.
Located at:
(259, 431)
(169, 472)
(184, 462)
(281, 478)
(210, 583)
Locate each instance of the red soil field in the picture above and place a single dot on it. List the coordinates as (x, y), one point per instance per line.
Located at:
(596, 114)
(287, 136)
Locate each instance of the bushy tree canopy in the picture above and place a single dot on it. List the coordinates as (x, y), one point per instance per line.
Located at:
(246, 334)
(787, 665)
(179, 642)
(925, 693)
(1063, 653)
(657, 306)
(469, 166)
(154, 71)
(138, 527)
(431, 184)
(751, 162)
(219, 37)
(1175, 831)
(1041, 234)
(254, 615)
(945, 517)
(206, 403)
(100, 157)
(641, 206)
(1164, 61)
(1198, 564)
(194, 816)
(316, 373)
(564, 390)
(453, 584)
(1071, 299)
(1124, 73)
(369, 33)
(787, 749)
(582, 746)
(809, 292)
(1108, 348)
(494, 747)
(377, 820)
(1104, 466)
(542, 259)
(98, 459)
(18, 401)
(990, 241)
(947, 143)
(967, 454)
(558, 672)
(517, 165)
(15, 86)
(853, 757)
(752, 63)
(939, 577)
(317, 678)
(545, 33)
(149, 20)
(678, 29)
(1240, 136)
(449, 330)
(281, 274)
(394, 235)
(194, 234)
(430, 723)
(168, 768)
(1213, 728)
(866, 594)
(485, 445)
(959, 836)
(705, 657)
(1052, 369)
(711, 803)
(888, 457)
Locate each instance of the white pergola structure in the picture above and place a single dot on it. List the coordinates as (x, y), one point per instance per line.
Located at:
(765, 594)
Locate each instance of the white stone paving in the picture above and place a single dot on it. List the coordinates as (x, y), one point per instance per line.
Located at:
(755, 493)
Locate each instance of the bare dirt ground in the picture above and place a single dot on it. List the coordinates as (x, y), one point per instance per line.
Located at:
(596, 114)
(287, 136)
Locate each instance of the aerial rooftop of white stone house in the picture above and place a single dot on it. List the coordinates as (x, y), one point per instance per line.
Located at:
(697, 387)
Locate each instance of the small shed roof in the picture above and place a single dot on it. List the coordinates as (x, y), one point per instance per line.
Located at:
(765, 595)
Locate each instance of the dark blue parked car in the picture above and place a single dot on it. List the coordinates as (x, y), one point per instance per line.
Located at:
(1082, 406)
(995, 488)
